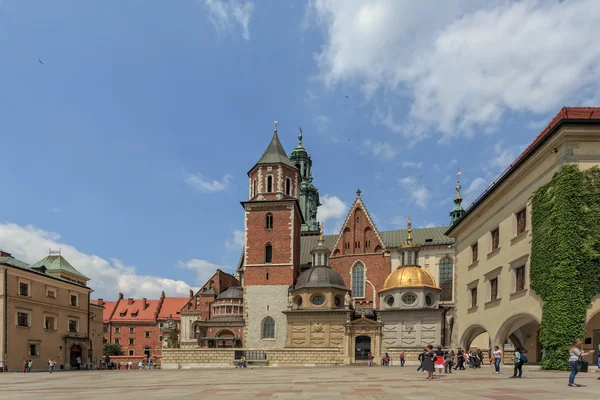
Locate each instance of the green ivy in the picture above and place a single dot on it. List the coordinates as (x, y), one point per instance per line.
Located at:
(565, 262)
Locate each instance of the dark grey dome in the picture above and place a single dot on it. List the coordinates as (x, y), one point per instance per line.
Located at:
(320, 277)
(233, 292)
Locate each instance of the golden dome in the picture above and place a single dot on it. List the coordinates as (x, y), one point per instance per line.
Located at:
(409, 276)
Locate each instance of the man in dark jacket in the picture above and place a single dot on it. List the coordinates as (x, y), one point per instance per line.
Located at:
(421, 360)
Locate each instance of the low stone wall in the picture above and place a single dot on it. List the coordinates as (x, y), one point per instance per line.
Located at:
(205, 357)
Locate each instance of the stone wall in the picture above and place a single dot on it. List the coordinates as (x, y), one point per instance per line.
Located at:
(264, 301)
(211, 358)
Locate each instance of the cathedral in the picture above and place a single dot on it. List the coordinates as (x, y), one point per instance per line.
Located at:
(360, 291)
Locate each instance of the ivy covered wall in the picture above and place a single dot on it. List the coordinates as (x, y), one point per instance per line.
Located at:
(565, 261)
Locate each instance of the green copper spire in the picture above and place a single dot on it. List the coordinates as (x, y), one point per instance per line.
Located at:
(309, 194)
(458, 210)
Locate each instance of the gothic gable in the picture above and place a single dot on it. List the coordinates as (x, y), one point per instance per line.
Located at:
(358, 235)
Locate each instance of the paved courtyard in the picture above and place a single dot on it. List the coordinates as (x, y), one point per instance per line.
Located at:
(302, 383)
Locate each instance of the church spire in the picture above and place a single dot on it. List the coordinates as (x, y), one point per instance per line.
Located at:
(309, 194)
(458, 211)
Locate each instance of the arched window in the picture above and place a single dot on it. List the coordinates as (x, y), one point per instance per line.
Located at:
(288, 186)
(268, 253)
(269, 221)
(269, 183)
(358, 280)
(254, 188)
(268, 328)
(446, 279)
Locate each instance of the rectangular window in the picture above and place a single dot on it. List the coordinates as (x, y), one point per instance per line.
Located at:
(474, 252)
(160, 338)
(105, 329)
(51, 293)
(22, 318)
(131, 341)
(73, 325)
(147, 334)
(160, 325)
(117, 341)
(131, 353)
(494, 289)
(23, 289)
(131, 330)
(33, 349)
(520, 278)
(117, 329)
(74, 300)
(49, 322)
(268, 254)
(521, 221)
(269, 184)
(474, 297)
(495, 239)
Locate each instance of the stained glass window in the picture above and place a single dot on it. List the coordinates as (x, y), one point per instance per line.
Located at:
(358, 281)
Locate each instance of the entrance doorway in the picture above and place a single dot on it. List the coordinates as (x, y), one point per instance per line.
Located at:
(596, 343)
(147, 352)
(363, 347)
(76, 352)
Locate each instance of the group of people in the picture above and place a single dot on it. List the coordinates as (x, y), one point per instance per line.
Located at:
(438, 361)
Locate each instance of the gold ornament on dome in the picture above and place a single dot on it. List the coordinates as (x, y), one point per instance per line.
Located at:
(409, 276)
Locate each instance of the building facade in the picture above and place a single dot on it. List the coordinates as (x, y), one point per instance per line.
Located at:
(493, 288)
(46, 314)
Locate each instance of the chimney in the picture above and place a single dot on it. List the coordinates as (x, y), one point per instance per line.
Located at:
(120, 296)
(191, 293)
(100, 302)
(144, 303)
(130, 301)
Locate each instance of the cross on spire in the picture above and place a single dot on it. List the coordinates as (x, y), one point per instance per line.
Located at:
(358, 192)
(321, 226)
(300, 136)
(276, 123)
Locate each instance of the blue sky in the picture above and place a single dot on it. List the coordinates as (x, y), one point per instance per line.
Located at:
(128, 147)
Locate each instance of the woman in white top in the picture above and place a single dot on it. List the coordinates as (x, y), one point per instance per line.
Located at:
(575, 353)
(497, 355)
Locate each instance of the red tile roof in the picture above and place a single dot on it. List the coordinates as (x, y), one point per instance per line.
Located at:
(144, 314)
(565, 115)
(171, 306)
(109, 307)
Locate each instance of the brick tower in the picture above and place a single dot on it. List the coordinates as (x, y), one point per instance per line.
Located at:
(273, 221)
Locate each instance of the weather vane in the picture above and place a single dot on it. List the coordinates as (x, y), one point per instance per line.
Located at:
(276, 123)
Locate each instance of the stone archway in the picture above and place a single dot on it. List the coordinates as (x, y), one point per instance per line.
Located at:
(522, 330)
(475, 336)
(592, 334)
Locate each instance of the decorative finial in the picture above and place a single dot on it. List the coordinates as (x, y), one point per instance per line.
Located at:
(300, 136)
(458, 186)
(409, 230)
(358, 192)
(321, 226)
(276, 123)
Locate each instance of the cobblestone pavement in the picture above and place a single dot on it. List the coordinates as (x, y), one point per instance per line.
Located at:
(303, 383)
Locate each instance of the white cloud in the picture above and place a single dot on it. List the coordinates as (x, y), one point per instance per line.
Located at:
(203, 269)
(476, 186)
(411, 164)
(381, 149)
(418, 192)
(332, 209)
(504, 156)
(200, 183)
(107, 278)
(237, 241)
(399, 221)
(462, 64)
(223, 14)
(55, 210)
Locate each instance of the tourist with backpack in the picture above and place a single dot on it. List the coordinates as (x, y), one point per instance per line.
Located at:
(520, 358)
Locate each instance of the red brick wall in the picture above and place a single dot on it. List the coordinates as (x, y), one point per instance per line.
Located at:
(221, 281)
(139, 335)
(377, 270)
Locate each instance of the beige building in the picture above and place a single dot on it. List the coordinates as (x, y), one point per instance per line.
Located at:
(46, 313)
(493, 240)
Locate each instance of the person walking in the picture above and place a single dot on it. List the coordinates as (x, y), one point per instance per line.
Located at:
(497, 356)
(402, 359)
(78, 362)
(518, 370)
(428, 361)
(439, 362)
(460, 359)
(575, 354)
(25, 366)
(421, 356)
(370, 359)
(29, 365)
(449, 359)
(386, 360)
(51, 364)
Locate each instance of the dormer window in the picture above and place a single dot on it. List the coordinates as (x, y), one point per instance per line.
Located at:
(123, 314)
(134, 314)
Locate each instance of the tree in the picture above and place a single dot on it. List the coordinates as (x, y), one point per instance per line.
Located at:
(113, 349)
